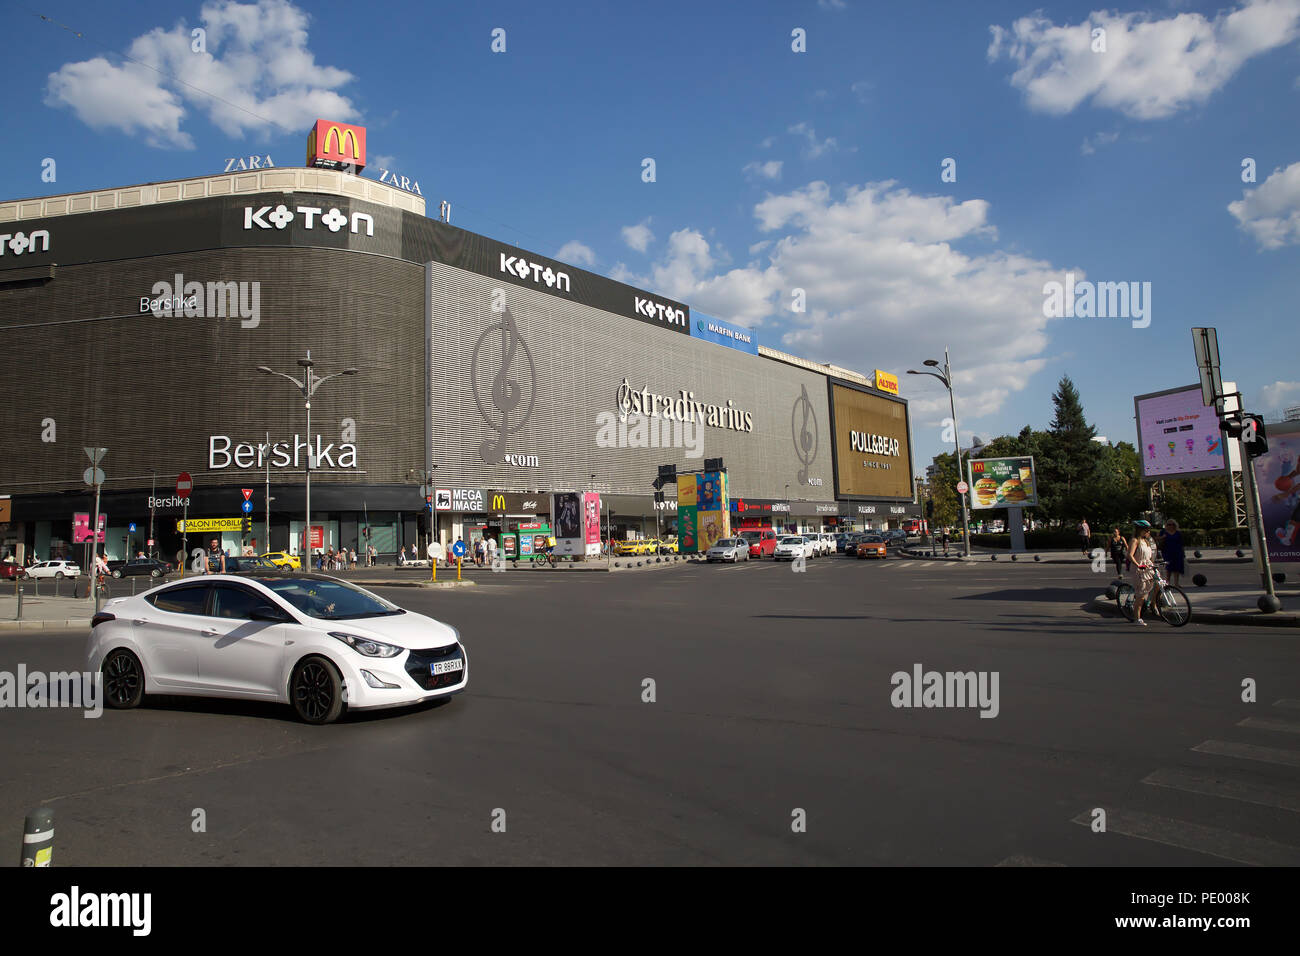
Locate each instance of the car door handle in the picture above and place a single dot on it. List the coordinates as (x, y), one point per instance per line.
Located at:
(140, 620)
(209, 632)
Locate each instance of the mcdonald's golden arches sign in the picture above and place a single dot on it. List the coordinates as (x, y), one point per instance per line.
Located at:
(336, 146)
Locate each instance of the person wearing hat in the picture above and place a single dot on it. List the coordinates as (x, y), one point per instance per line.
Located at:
(1141, 552)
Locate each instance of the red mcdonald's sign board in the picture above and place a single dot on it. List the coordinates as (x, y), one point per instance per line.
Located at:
(336, 146)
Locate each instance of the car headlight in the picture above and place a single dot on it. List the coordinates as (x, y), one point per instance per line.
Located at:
(365, 646)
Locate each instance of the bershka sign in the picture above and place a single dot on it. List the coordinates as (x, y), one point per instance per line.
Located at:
(175, 501)
(279, 217)
(255, 455)
(873, 444)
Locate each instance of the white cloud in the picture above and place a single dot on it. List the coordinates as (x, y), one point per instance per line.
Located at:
(880, 270)
(815, 147)
(1279, 395)
(638, 237)
(832, 4)
(768, 170)
(1271, 213)
(1091, 143)
(380, 161)
(575, 252)
(1151, 68)
(769, 141)
(257, 68)
(862, 90)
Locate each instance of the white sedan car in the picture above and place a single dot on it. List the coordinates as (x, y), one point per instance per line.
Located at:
(307, 640)
(54, 569)
(792, 546)
(729, 549)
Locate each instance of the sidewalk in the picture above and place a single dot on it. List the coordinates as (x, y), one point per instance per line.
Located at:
(1208, 555)
(45, 612)
(1232, 606)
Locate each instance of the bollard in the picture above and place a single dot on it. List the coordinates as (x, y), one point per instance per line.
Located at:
(38, 837)
(1036, 558)
(1199, 580)
(20, 605)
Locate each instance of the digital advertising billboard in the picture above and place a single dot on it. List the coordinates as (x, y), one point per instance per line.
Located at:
(1277, 474)
(1002, 483)
(1178, 436)
(873, 454)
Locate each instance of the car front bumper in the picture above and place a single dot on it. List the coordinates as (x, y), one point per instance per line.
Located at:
(410, 676)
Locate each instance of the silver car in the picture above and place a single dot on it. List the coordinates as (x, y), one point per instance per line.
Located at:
(729, 549)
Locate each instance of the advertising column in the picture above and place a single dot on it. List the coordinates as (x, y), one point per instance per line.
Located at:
(688, 541)
(1277, 476)
(713, 514)
(568, 512)
(591, 522)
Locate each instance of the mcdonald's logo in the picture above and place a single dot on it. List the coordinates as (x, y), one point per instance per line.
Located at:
(498, 502)
(336, 145)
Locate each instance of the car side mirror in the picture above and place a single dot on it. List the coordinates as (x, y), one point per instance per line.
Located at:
(265, 612)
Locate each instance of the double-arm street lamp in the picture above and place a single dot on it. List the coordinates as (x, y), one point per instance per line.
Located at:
(946, 377)
(307, 387)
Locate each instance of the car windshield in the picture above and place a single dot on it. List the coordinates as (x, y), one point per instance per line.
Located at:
(792, 540)
(329, 600)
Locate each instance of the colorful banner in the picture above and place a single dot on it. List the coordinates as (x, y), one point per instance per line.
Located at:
(1178, 435)
(228, 524)
(886, 382)
(1277, 474)
(713, 513)
(1003, 483)
(81, 528)
(687, 518)
(591, 518)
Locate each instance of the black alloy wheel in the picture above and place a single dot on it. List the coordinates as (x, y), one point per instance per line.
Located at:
(123, 680)
(316, 691)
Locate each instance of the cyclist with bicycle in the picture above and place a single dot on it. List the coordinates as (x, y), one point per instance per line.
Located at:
(1141, 555)
(101, 570)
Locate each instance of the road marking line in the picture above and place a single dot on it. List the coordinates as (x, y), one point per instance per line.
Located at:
(1027, 861)
(1207, 783)
(1223, 748)
(1210, 841)
(1270, 723)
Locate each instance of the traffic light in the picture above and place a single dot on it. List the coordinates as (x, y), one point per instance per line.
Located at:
(248, 524)
(1250, 429)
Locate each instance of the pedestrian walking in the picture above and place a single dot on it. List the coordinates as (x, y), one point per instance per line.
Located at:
(492, 551)
(944, 539)
(1141, 555)
(480, 551)
(1171, 547)
(1118, 550)
(1085, 536)
(370, 555)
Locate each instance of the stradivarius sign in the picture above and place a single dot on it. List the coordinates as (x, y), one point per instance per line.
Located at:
(682, 407)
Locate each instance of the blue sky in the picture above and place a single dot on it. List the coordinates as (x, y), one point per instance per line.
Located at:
(775, 169)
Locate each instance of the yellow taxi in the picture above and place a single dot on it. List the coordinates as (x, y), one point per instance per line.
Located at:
(282, 559)
(668, 546)
(638, 546)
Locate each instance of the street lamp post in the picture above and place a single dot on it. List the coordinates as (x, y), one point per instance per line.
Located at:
(307, 387)
(946, 377)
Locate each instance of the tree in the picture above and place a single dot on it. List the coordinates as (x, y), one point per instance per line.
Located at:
(1071, 442)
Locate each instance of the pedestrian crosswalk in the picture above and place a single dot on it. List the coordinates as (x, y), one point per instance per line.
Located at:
(1255, 771)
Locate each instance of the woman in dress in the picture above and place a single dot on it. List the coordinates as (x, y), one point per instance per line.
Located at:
(1141, 553)
(1171, 545)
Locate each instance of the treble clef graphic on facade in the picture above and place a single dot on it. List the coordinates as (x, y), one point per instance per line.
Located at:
(805, 438)
(507, 409)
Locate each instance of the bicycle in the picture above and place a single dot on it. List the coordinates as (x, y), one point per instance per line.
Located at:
(543, 559)
(1167, 600)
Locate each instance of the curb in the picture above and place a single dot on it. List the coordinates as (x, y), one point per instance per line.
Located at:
(44, 625)
(1102, 603)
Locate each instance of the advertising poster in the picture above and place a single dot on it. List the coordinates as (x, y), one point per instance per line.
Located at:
(81, 528)
(713, 516)
(1003, 483)
(570, 536)
(1277, 475)
(688, 540)
(591, 521)
(1177, 435)
(872, 451)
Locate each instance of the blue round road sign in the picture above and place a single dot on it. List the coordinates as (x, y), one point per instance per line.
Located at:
(247, 506)
(458, 549)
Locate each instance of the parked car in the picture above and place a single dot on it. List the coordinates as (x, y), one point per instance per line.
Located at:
(895, 536)
(851, 543)
(792, 546)
(872, 546)
(243, 565)
(10, 569)
(762, 542)
(827, 541)
(54, 569)
(668, 546)
(283, 559)
(309, 641)
(729, 549)
(814, 544)
(138, 566)
(634, 546)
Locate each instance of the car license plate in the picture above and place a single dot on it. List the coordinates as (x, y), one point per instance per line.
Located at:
(446, 667)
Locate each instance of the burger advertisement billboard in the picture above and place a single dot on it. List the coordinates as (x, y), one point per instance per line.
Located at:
(872, 450)
(1003, 483)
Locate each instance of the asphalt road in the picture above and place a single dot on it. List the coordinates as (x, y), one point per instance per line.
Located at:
(773, 696)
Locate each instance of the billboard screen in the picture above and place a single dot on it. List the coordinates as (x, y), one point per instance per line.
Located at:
(1003, 483)
(1178, 436)
(873, 455)
(1277, 473)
